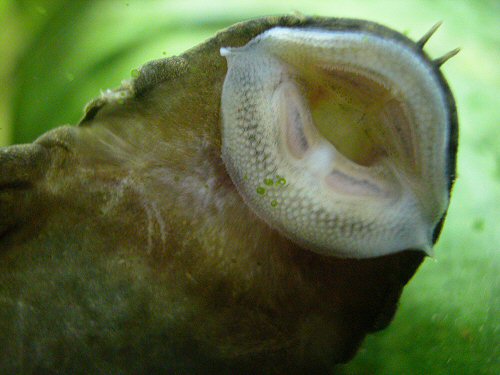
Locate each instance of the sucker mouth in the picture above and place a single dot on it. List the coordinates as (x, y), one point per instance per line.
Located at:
(356, 123)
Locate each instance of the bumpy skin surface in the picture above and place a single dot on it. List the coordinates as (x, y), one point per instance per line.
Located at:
(125, 247)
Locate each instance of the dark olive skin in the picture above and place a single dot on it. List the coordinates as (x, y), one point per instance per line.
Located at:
(125, 247)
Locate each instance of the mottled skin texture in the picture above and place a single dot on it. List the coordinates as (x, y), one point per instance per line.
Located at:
(125, 248)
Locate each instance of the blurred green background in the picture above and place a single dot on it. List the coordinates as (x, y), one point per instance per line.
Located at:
(57, 55)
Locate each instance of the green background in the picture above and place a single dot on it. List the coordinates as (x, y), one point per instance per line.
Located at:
(57, 55)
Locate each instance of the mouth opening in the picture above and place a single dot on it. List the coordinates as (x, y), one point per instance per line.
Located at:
(363, 119)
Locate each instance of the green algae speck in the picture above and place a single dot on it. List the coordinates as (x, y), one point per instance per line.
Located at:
(135, 73)
(268, 181)
(274, 203)
(260, 190)
(281, 181)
